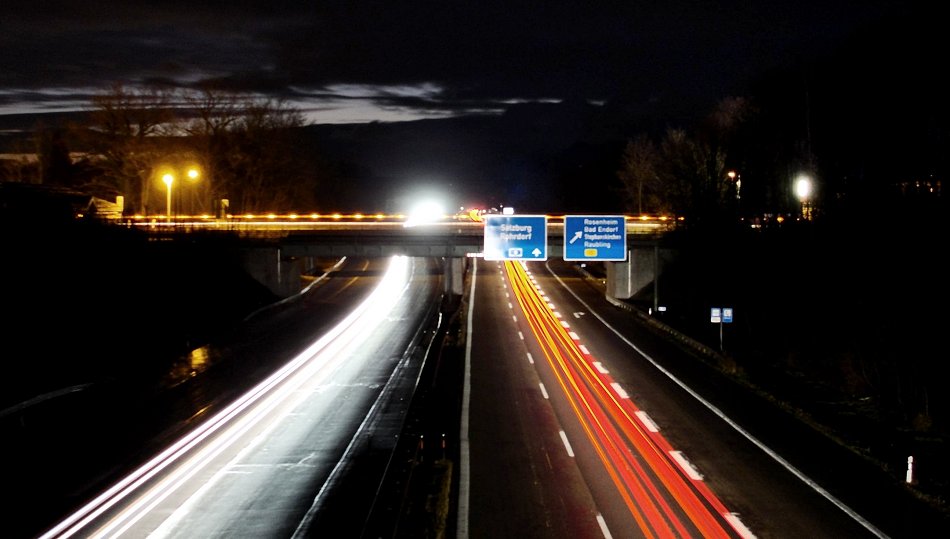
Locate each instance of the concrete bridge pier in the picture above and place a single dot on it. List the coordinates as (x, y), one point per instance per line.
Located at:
(641, 269)
(279, 273)
(453, 269)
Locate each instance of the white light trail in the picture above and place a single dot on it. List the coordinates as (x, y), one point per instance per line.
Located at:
(188, 455)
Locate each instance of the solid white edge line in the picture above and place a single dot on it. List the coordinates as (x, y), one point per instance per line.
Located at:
(712, 408)
(461, 523)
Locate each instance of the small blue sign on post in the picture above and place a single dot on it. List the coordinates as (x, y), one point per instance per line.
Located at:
(516, 237)
(595, 237)
(720, 315)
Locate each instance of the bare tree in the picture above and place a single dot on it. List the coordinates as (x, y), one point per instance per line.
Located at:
(249, 150)
(124, 128)
(640, 178)
(685, 174)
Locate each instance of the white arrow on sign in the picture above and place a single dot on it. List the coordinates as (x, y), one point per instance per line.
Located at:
(536, 252)
(577, 236)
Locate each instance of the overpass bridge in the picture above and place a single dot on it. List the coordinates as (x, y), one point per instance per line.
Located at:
(278, 250)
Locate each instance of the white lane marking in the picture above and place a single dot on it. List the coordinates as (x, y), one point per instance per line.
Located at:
(544, 391)
(521, 335)
(530, 359)
(719, 413)
(586, 353)
(515, 318)
(567, 445)
(733, 518)
(557, 314)
(619, 390)
(598, 365)
(686, 465)
(551, 306)
(565, 324)
(510, 306)
(647, 421)
(603, 526)
(573, 335)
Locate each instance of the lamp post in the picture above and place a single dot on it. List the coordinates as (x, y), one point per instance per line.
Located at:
(193, 174)
(169, 179)
(737, 178)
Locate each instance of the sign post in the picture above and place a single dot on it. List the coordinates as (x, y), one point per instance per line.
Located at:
(595, 237)
(720, 316)
(516, 237)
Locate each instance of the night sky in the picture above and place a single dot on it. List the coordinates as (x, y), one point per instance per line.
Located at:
(568, 82)
(357, 61)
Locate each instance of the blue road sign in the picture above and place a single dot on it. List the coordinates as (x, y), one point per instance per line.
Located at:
(595, 237)
(516, 237)
(720, 315)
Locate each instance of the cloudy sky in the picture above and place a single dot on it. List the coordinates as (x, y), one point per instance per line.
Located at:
(358, 60)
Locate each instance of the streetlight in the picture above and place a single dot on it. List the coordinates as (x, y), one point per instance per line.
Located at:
(169, 179)
(737, 178)
(803, 190)
(192, 174)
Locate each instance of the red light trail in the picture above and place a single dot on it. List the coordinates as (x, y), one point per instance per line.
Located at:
(665, 495)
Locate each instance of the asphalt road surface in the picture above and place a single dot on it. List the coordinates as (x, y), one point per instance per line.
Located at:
(613, 431)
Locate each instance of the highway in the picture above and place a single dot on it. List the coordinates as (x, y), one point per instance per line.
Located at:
(576, 421)
(581, 424)
(263, 464)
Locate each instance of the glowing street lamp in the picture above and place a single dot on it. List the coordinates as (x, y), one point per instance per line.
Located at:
(169, 179)
(192, 174)
(734, 176)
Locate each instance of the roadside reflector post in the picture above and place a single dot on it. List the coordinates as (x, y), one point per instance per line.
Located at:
(910, 469)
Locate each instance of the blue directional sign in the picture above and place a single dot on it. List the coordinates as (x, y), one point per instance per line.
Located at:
(595, 237)
(516, 237)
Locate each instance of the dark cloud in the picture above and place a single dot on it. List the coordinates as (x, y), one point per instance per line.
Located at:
(477, 53)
